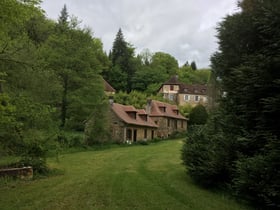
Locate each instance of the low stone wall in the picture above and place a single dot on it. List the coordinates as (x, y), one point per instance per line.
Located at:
(21, 173)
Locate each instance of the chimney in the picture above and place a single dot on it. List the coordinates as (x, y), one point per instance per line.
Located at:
(149, 106)
(176, 77)
(111, 100)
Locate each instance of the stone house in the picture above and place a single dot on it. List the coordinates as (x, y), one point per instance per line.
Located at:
(129, 124)
(167, 117)
(182, 94)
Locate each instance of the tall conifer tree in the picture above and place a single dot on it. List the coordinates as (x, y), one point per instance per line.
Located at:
(123, 67)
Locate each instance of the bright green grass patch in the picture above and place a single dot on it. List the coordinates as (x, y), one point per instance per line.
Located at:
(137, 177)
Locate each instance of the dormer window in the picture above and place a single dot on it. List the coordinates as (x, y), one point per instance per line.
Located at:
(144, 117)
(132, 114)
(162, 108)
(176, 111)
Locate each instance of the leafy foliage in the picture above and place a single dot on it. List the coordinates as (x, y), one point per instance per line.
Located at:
(49, 77)
(135, 98)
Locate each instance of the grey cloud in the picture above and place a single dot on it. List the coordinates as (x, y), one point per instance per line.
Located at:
(183, 28)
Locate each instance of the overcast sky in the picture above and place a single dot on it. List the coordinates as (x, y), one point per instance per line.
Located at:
(183, 28)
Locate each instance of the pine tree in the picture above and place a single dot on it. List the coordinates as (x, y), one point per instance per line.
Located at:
(63, 18)
(193, 65)
(123, 69)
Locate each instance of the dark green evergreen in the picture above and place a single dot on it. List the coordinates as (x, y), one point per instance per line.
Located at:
(239, 146)
(123, 64)
(193, 65)
(198, 115)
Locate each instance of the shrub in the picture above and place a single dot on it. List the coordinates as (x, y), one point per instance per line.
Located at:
(143, 142)
(206, 156)
(177, 134)
(71, 139)
(35, 156)
(198, 115)
(197, 156)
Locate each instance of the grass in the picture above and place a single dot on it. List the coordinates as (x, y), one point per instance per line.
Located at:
(137, 177)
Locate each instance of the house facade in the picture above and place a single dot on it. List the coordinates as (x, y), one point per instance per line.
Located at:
(182, 94)
(130, 125)
(167, 117)
(159, 120)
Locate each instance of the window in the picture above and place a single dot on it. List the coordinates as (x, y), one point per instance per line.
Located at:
(162, 108)
(171, 97)
(171, 87)
(196, 98)
(186, 97)
(168, 122)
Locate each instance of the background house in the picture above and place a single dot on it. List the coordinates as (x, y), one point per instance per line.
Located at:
(182, 94)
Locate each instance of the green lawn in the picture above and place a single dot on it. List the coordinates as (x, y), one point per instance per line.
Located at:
(136, 177)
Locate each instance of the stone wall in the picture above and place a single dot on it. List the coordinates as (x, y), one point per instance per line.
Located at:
(22, 173)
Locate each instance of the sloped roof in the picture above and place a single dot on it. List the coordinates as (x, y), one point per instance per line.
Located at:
(122, 111)
(161, 109)
(174, 80)
(108, 87)
(193, 89)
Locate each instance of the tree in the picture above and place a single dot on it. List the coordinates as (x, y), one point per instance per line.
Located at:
(73, 55)
(193, 65)
(243, 135)
(64, 16)
(188, 76)
(198, 115)
(166, 63)
(123, 64)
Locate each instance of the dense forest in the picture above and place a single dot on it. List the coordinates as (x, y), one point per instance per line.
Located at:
(51, 87)
(239, 148)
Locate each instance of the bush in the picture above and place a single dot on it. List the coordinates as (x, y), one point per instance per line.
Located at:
(198, 115)
(143, 142)
(35, 156)
(71, 139)
(198, 156)
(207, 156)
(177, 135)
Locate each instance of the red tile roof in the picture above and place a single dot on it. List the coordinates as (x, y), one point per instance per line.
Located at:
(161, 109)
(108, 87)
(122, 111)
(193, 89)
